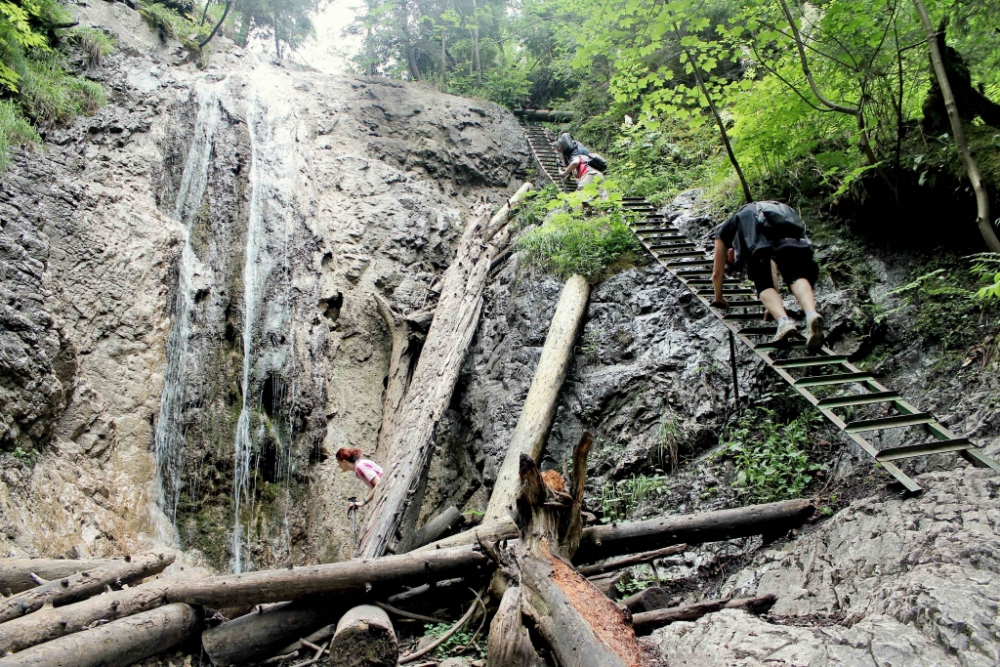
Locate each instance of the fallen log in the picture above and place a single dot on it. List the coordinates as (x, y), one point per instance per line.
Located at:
(434, 529)
(629, 561)
(364, 632)
(259, 634)
(540, 404)
(607, 541)
(392, 511)
(509, 644)
(15, 573)
(648, 621)
(85, 584)
(375, 576)
(49, 623)
(652, 598)
(117, 644)
(600, 542)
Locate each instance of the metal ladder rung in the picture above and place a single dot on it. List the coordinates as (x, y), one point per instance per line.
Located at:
(704, 281)
(804, 362)
(923, 449)
(752, 303)
(858, 399)
(899, 421)
(742, 317)
(759, 331)
(742, 291)
(780, 345)
(675, 255)
(839, 378)
(664, 246)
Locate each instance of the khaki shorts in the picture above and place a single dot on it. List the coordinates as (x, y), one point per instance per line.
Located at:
(592, 177)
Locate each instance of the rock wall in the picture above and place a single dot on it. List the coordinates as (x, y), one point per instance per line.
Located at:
(219, 233)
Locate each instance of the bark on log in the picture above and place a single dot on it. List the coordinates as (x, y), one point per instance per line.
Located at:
(646, 622)
(608, 541)
(376, 576)
(599, 542)
(434, 529)
(647, 600)
(455, 319)
(582, 626)
(540, 404)
(544, 115)
(365, 637)
(116, 644)
(50, 623)
(629, 561)
(85, 584)
(259, 634)
(14, 572)
(509, 644)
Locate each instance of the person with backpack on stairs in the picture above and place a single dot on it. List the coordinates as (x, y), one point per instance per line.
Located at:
(584, 166)
(754, 236)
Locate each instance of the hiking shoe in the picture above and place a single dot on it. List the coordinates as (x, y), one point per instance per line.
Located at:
(786, 327)
(814, 327)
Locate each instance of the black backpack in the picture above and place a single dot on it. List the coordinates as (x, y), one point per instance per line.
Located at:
(597, 162)
(779, 221)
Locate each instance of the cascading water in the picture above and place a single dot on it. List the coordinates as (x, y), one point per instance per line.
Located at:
(272, 168)
(169, 438)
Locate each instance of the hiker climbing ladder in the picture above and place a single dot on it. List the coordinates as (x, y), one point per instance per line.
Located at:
(835, 386)
(543, 149)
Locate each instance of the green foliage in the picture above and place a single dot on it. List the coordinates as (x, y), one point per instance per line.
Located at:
(668, 435)
(986, 265)
(167, 21)
(15, 130)
(94, 43)
(33, 74)
(770, 453)
(583, 234)
(459, 643)
(630, 585)
(621, 497)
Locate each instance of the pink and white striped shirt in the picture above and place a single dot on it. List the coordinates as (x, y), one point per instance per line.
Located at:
(368, 472)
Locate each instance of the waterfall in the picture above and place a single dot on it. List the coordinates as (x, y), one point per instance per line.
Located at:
(169, 437)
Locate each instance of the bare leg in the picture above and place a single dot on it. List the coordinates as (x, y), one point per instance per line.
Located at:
(772, 301)
(803, 294)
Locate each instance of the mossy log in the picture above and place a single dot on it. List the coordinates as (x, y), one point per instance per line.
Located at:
(85, 584)
(117, 644)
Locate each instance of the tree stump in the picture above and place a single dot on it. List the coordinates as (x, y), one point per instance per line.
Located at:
(364, 638)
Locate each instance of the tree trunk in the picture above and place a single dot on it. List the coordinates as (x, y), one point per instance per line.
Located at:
(364, 631)
(582, 626)
(218, 25)
(646, 622)
(599, 542)
(982, 199)
(652, 598)
(444, 61)
(85, 584)
(540, 404)
(509, 644)
(407, 333)
(260, 634)
(116, 644)
(49, 623)
(376, 576)
(455, 319)
(14, 572)
(608, 541)
(544, 115)
(629, 561)
(475, 44)
(434, 529)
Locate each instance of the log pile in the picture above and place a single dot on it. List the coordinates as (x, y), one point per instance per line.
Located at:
(101, 613)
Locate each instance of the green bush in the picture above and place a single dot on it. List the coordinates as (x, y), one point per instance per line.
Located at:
(770, 453)
(15, 130)
(94, 44)
(591, 238)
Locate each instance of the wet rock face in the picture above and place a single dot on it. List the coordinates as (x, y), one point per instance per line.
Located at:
(220, 232)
